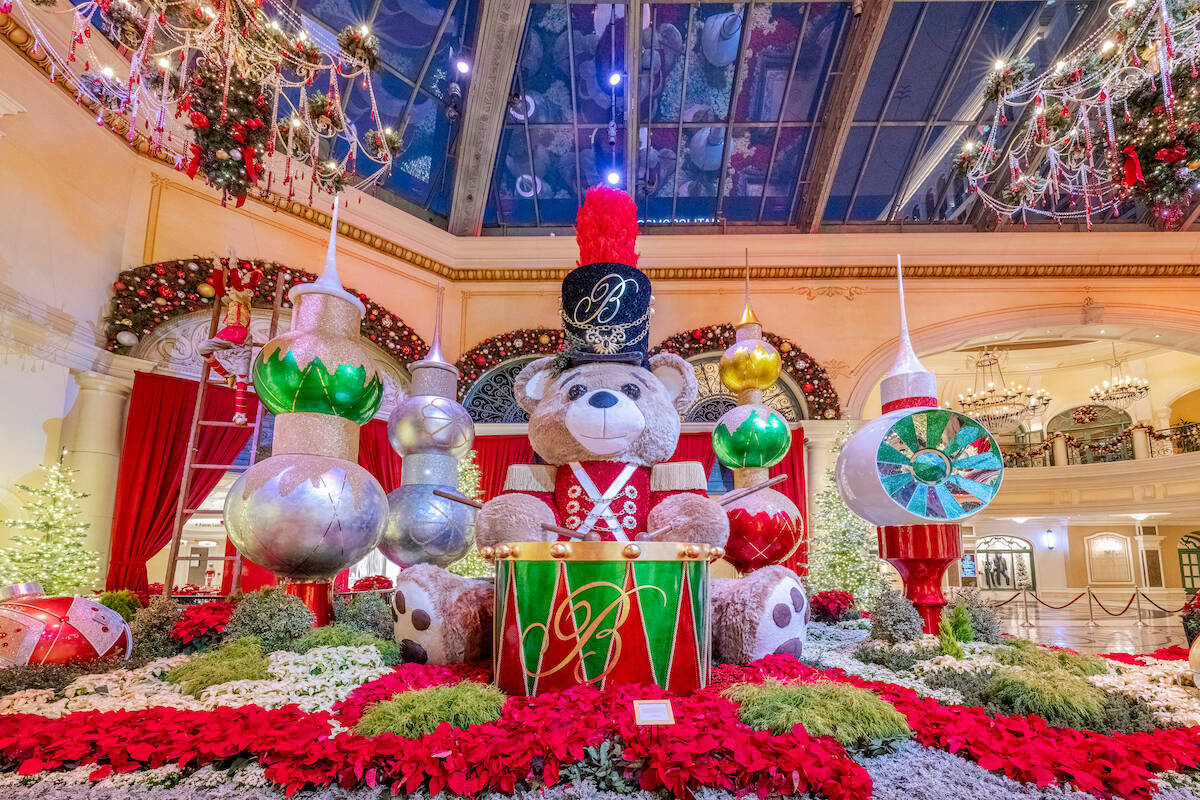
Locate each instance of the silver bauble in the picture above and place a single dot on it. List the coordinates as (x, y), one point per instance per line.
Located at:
(427, 423)
(423, 528)
(305, 517)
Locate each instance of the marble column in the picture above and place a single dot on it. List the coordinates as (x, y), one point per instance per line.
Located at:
(819, 456)
(1058, 444)
(93, 433)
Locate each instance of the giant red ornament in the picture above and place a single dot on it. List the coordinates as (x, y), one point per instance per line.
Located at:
(35, 629)
(764, 528)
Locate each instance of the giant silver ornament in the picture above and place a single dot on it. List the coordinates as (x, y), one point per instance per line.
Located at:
(427, 423)
(423, 528)
(305, 517)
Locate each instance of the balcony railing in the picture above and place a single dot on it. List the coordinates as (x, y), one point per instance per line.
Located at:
(1135, 443)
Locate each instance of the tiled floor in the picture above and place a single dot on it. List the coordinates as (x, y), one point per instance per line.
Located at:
(1069, 628)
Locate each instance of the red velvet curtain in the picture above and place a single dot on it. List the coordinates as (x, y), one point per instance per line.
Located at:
(148, 480)
(376, 455)
(494, 454)
(696, 447)
(795, 490)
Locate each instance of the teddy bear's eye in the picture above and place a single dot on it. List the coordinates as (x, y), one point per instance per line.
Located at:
(577, 391)
(632, 391)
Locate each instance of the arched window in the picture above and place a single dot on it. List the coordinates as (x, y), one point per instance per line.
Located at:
(1108, 558)
(1089, 422)
(1005, 562)
(713, 399)
(1189, 562)
(491, 399)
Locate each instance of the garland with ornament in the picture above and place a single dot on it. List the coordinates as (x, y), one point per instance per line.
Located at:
(1114, 122)
(819, 394)
(1085, 415)
(208, 84)
(495, 350)
(147, 296)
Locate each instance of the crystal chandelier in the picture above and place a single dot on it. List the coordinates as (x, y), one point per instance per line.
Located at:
(1119, 391)
(1000, 406)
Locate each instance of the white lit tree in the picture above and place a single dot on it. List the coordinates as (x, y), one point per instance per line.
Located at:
(54, 553)
(841, 551)
(470, 483)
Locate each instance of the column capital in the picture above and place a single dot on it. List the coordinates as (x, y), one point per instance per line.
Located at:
(824, 432)
(100, 382)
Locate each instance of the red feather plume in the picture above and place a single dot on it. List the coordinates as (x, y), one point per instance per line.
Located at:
(606, 227)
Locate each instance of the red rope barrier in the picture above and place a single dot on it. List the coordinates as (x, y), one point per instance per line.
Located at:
(1119, 613)
(1057, 608)
(1006, 602)
(1160, 608)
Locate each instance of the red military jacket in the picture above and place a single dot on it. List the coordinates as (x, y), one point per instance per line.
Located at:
(610, 499)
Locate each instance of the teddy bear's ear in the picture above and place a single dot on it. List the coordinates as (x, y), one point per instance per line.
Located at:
(679, 378)
(531, 382)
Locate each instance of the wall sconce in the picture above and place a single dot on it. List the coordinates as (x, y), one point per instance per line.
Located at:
(1048, 539)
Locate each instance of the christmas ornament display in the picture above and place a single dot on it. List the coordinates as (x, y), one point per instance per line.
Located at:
(432, 431)
(36, 629)
(310, 510)
(765, 527)
(751, 435)
(494, 351)
(915, 472)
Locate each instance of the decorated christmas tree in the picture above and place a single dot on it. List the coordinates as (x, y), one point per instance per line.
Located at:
(55, 552)
(470, 483)
(841, 552)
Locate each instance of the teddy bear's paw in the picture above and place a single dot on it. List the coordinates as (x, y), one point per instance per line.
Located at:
(689, 518)
(784, 613)
(513, 518)
(417, 628)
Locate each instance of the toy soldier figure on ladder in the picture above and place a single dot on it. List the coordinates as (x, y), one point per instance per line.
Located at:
(228, 351)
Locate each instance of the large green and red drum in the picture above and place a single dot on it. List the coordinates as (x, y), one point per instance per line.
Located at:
(604, 613)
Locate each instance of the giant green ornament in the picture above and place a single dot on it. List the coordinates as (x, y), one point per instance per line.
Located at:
(751, 436)
(345, 391)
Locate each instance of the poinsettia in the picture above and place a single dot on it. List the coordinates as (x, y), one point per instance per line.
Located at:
(369, 582)
(831, 605)
(200, 625)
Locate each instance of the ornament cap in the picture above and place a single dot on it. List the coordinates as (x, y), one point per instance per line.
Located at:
(748, 315)
(329, 283)
(909, 384)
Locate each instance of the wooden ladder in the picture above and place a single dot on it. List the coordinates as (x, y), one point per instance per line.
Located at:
(191, 466)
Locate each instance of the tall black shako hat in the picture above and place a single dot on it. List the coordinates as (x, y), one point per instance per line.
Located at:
(606, 301)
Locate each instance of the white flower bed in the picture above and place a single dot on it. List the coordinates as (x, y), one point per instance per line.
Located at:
(1158, 684)
(314, 681)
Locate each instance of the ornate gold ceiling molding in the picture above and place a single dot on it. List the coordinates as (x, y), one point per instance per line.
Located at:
(21, 41)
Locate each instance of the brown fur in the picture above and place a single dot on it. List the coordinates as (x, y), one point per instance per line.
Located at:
(740, 607)
(692, 518)
(460, 612)
(513, 517)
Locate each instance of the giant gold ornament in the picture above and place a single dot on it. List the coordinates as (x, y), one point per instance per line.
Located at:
(305, 517)
(749, 364)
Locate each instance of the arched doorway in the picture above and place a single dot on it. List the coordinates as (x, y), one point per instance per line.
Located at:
(713, 398)
(1094, 423)
(1189, 562)
(1005, 562)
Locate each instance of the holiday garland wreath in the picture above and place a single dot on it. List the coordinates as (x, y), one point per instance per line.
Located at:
(147, 296)
(495, 350)
(819, 394)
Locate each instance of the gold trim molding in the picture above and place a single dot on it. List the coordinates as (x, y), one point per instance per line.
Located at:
(20, 40)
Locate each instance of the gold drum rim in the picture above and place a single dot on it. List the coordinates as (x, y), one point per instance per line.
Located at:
(604, 551)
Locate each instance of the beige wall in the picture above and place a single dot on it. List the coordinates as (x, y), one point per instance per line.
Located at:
(1186, 408)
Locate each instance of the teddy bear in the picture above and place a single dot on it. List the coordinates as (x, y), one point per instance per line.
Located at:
(604, 418)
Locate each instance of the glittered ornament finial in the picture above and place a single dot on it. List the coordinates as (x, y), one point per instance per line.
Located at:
(435, 347)
(748, 315)
(329, 282)
(909, 384)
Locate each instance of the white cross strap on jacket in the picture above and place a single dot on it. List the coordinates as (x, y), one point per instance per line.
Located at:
(600, 502)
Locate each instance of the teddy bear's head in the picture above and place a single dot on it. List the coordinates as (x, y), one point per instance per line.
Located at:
(606, 411)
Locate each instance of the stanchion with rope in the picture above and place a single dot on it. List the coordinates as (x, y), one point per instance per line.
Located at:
(1025, 607)
(1057, 608)
(1006, 602)
(1160, 608)
(1091, 611)
(1119, 613)
(1137, 595)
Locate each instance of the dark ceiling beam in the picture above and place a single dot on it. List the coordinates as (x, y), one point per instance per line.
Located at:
(497, 41)
(866, 31)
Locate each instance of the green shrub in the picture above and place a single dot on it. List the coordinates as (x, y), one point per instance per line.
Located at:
(124, 602)
(857, 718)
(414, 714)
(973, 685)
(960, 624)
(1023, 653)
(1126, 714)
(343, 636)
(271, 615)
(240, 660)
(151, 629)
(947, 640)
(1060, 699)
(58, 676)
(604, 766)
(894, 658)
(894, 618)
(367, 613)
(985, 622)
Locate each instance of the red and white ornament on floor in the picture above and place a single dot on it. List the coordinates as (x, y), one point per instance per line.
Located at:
(35, 629)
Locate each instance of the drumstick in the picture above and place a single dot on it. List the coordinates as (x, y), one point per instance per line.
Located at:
(564, 531)
(652, 534)
(738, 494)
(466, 501)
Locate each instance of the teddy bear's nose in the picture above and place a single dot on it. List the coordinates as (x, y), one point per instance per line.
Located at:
(602, 399)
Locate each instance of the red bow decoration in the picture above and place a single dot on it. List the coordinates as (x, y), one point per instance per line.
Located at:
(193, 165)
(1133, 167)
(1176, 153)
(198, 120)
(254, 123)
(239, 133)
(241, 200)
(253, 171)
